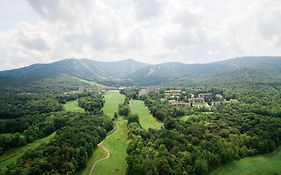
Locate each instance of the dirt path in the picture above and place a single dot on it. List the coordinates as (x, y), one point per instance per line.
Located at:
(104, 148)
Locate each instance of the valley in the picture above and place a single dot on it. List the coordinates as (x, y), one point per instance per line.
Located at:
(85, 128)
(153, 87)
(72, 73)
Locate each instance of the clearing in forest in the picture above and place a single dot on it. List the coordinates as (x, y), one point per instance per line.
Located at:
(145, 117)
(72, 106)
(261, 164)
(112, 101)
(196, 115)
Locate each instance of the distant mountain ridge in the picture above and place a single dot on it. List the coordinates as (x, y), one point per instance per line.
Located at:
(130, 72)
(82, 68)
(195, 73)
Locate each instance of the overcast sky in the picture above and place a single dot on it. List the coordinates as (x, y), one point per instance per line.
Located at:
(152, 31)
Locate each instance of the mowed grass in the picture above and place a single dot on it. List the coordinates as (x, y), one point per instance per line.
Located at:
(72, 106)
(145, 117)
(116, 144)
(112, 101)
(267, 164)
(97, 154)
(11, 156)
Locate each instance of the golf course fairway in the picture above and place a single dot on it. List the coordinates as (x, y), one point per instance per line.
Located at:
(145, 117)
(116, 145)
(110, 156)
(72, 106)
(266, 164)
(112, 101)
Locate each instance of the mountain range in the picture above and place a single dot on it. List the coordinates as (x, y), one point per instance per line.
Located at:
(130, 72)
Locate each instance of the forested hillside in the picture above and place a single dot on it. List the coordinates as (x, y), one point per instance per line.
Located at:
(242, 70)
(71, 72)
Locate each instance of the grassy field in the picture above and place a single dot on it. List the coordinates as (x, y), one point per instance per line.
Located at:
(201, 114)
(145, 117)
(72, 106)
(112, 100)
(115, 142)
(12, 155)
(266, 164)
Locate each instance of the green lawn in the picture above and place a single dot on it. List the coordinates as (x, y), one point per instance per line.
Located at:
(266, 164)
(145, 117)
(112, 100)
(72, 106)
(12, 155)
(116, 144)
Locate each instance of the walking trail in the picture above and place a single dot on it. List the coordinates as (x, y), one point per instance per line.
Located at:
(104, 148)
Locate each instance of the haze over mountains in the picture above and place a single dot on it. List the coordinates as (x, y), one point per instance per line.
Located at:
(130, 72)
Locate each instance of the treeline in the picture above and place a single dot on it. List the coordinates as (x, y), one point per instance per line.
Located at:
(68, 151)
(162, 109)
(201, 144)
(64, 97)
(260, 101)
(17, 105)
(42, 126)
(93, 103)
(131, 93)
(20, 124)
(31, 116)
(159, 109)
(124, 109)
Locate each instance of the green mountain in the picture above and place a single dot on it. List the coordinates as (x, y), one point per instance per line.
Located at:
(84, 68)
(237, 71)
(67, 74)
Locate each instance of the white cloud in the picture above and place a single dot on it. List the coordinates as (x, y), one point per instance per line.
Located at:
(146, 9)
(147, 30)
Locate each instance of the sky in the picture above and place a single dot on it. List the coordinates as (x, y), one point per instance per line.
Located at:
(151, 31)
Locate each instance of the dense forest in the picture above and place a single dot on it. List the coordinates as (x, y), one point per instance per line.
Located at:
(210, 137)
(70, 149)
(92, 104)
(204, 142)
(29, 117)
